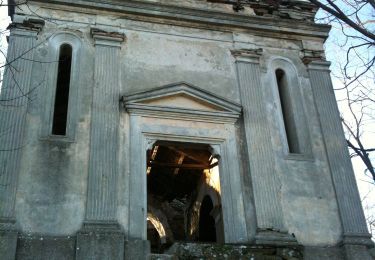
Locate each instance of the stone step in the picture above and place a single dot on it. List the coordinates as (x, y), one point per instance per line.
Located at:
(162, 257)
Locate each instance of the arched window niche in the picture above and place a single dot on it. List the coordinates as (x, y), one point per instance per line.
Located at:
(291, 112)
(61, 92)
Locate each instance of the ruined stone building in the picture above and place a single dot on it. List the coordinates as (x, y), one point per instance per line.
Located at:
(170, 128)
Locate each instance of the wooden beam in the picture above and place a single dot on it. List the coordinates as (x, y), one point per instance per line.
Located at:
(192, 157)
(181, 166)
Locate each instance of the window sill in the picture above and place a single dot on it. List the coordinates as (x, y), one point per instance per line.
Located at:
(299, 157)
(57, 139)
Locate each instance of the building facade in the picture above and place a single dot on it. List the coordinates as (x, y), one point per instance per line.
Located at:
(137, 127)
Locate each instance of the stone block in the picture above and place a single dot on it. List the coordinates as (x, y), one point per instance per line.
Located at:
(100, 246)
(8, 244)
(45, 247)
(137, 249)
(323, 253)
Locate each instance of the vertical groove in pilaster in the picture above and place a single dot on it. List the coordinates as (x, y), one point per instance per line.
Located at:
(15, 95)
(101, 204)
(348, 199)
(258, 138)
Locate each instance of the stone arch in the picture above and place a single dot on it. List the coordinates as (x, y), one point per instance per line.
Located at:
(160, 222)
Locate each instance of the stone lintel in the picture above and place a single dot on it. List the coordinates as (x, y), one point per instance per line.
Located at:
(247, 55)
(105, 38)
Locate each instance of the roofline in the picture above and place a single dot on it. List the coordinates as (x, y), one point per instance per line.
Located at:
(201, 18)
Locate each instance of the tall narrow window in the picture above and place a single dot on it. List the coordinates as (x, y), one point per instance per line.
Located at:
(287, 112)
(60, 114)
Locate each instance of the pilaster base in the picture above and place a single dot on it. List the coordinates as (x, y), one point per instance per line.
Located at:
(8, 244)
(137, 249)
(275, 238)
(356, 246)
(354, 252)
(8, 238)
(100, 240)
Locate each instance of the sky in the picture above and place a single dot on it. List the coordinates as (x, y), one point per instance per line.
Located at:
(336, 54)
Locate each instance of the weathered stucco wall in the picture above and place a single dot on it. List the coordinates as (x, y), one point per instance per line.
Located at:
(52, 188)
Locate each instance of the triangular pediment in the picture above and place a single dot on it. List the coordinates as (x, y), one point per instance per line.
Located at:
(182, 100)
(181, 97)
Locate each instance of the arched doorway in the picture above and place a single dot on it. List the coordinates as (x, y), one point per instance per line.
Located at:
(207, 226)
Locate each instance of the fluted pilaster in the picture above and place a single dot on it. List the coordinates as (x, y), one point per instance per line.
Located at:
(258, 138)
(15, 96)
(349, 203)
(103, 165)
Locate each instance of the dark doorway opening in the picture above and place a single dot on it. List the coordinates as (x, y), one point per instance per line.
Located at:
(181, 180)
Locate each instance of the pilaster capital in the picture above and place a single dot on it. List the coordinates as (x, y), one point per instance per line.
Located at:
(319, 65)
(26, 27)
(315, 59)
(247, 55)
(105, 38)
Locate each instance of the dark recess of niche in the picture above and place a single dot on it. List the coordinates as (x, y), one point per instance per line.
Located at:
(60, 114)
(287, 112)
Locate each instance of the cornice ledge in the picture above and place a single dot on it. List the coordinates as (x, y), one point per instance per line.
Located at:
(216, 18)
